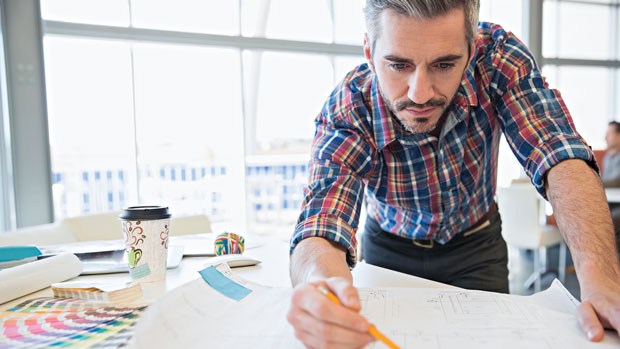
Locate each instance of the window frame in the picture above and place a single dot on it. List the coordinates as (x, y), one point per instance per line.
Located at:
(241, 43)
(532, 27)
(535, 26)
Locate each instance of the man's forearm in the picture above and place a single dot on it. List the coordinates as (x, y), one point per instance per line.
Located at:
(317, 258)
(582, 213)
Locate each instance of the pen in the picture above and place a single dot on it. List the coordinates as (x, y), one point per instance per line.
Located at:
(372, 330)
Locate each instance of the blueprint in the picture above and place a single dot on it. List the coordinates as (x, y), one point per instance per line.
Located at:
(431, 318)
(196, 315)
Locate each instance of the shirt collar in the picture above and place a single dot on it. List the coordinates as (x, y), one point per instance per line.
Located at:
(387, 129)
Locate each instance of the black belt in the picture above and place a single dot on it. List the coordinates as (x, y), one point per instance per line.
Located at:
(482, 223)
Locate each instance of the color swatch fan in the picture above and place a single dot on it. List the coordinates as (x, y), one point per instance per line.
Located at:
(59, 322)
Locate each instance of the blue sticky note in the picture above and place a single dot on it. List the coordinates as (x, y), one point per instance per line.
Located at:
(224, 285)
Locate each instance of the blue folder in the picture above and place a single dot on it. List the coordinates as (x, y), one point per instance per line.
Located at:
(14, 253)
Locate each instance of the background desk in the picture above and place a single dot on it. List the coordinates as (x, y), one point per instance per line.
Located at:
(273, 271)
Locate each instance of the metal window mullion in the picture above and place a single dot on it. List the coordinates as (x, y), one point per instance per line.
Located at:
(249, 94)
(532, 10)
(249, 83)
(601, 3)
(135, 178)
(332, 17)
(558, 27)
(614, 84)
(584, 62)
(130, 9)
(332, 58)
(7, 202)
(174, 37)
(614, 27)
(31, 163)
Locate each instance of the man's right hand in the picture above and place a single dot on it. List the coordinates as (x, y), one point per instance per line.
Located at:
(321, 323)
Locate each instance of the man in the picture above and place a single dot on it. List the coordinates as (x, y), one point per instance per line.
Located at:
(418, 128)
(611, 172)
(611, 162)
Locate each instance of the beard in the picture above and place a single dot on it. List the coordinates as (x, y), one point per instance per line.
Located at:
(418, 125)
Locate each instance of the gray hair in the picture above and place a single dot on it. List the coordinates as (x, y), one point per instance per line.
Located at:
(420, 9)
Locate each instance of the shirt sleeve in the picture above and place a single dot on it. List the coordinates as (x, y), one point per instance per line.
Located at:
(340, 159)
(534, 118)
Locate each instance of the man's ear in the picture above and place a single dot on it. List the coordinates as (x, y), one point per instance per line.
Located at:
(368, 53)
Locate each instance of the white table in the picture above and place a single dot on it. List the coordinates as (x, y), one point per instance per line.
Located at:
(613, 195)
(273, 271)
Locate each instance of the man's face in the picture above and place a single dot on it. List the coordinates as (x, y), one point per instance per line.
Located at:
(419, 65)
(612, 138)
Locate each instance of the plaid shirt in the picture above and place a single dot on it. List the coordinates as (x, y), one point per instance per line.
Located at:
(419, 186)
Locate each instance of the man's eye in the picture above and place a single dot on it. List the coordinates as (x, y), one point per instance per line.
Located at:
(445, 66)
(398, 66)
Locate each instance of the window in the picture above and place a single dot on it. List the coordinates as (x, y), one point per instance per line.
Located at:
(584, 55)
(91, 119)
(507, 13)
(198, 16)
(194, 124)
(211, 108)
(288, 20)
(591, 108)
(591, 39)
(188, 115)
(291, 89)
(101, 12)
(349, 25)
(574, 56)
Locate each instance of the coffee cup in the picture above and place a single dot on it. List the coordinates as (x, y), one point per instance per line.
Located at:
(145, 231)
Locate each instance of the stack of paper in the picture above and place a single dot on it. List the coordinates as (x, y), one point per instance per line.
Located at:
(102, 292)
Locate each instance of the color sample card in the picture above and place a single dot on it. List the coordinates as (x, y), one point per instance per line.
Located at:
(45, 322)
(223, 284)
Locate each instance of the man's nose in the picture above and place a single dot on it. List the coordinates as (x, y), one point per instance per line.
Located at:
(420, 87)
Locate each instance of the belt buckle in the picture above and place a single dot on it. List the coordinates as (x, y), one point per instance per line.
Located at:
(430, 243)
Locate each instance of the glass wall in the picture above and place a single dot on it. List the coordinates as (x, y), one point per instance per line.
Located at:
(90, 108)
(591, 39)
(591, 108)
(507, 13)
(221, 129)
(583, 61)
(209, 108)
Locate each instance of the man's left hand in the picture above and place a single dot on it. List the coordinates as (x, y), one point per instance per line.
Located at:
(599, 309)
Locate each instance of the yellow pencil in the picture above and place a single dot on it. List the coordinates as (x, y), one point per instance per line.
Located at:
(372, 330)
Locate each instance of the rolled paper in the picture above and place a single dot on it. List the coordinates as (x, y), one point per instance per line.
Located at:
(229, 243)
(27, 278)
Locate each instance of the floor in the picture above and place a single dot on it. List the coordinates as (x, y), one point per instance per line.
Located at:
(522, 266)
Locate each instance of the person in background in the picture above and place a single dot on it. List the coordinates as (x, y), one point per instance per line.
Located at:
(416, 129)
(611, 172)
(611, 162)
